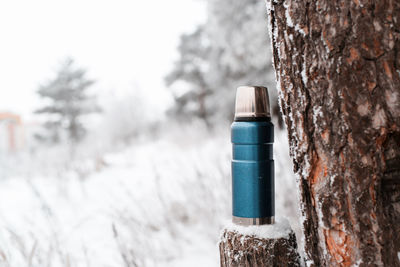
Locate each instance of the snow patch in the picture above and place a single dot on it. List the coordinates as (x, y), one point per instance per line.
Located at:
(317, 113)
(326, 45)
(309, 262)
(306, 168)
(377, 26)
(300, 30)
(303, 72)
(398, 255)
(289, 20)
(320, 216)
(392, 101)
(358, 263)
(363, 109)
(300, 128)
(281, 228)
(332, 179)
(379, 118)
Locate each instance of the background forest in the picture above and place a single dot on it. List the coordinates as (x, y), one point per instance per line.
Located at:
(96, 175)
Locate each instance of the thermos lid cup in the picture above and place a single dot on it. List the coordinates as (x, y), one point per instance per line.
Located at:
(252, 102)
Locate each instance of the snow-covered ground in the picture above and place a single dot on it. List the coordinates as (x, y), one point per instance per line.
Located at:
(154, 203)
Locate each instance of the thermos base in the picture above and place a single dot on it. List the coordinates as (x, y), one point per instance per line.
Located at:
(253, 221)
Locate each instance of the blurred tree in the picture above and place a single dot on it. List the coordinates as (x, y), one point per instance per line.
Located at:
(191, 68)
(229, 50)
(67, 102)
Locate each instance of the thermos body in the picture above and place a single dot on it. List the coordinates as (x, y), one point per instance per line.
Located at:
(253, 169)
(253, 196)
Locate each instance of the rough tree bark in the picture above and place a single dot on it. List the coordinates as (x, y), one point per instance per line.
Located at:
(338, 64)
(241, 248)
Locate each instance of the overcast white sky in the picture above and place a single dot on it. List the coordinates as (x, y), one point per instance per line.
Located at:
(121, 42)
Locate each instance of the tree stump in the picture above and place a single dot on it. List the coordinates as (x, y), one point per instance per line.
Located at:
(266, 245)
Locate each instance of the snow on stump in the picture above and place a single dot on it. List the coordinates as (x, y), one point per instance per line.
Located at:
(266, 245)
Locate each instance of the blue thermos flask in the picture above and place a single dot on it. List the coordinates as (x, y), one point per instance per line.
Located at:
(253, 196)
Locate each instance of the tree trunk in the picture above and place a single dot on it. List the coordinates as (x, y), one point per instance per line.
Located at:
(337, 66)
(244, 248)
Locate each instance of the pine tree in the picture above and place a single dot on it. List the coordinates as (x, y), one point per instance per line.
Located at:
(191, 68)
(68, 101)
(229, 50)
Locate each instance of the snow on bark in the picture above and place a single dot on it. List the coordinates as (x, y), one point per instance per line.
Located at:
(335, 66)
(280, 229)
